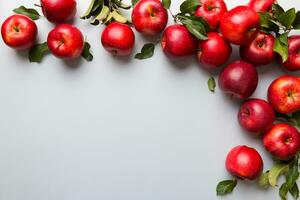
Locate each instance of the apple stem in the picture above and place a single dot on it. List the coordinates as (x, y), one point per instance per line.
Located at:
(174, 17)
(37, 5)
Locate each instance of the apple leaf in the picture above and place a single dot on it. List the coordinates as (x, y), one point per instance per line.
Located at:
(294, 191)
(296, 24)
(277, 10)
(101, 16)
(146, 52)
(37, 52)
(133, 2)
(226, 187)
(281, 46)
(211, 84)
(283, 190)
(118, 17)
(189, 6)
(88, 12)
(287, 18)
(196, 25)
(86, 54)
(263, 180)
(166, 3)
(296, 118)
(264, 19)
(29, 12)
(277, 170)
(120, 4)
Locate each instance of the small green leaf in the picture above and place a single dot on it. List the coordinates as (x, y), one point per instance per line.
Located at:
(189, 6)
(37, 52)
(211, 84)
(296, 118)
(296, 24)
(101, 16)
(118, 17)
(196, 25)
(166, 3)
(287, 18)
(277, 170)
(281, 46)
(263, 180)
(293, 174)
(146, 52)
(226, 187)
(87, 13)
(133, 2)
(294, 191)
(264, 19)
(120, 4)
(86, 54)
(277, 10)
(29, 12)
(283, 190)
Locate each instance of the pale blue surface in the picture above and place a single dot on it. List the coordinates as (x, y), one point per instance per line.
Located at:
(116, 130)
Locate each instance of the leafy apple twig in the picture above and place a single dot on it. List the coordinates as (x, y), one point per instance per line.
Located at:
(29, 12)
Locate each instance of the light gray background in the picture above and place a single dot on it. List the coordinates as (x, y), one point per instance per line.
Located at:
(116, 129)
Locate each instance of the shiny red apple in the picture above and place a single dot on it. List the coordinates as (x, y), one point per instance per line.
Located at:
(118, 39)
(244, 162)
(19, 32)
(59, 11)
(261, 5)
(212, 11)
(213, 52)
(149, 17)
(239, 79)
(293, 61)
(256, 115)
(66, 41)
(177, 41)
(240, 25)
(282, 141)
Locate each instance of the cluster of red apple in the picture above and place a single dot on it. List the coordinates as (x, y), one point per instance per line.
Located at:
(204, 28)
(19, 31)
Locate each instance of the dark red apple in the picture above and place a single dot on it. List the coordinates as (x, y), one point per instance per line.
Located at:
(260, 50)
(213, 52)
(284, 94)
(293, 61)
(212, 11)
(59, 11)
(261, 5)
(256, 115)
(282, 141)
(244, 162)
(149, 17)
(239, 79)
(66, 41)
(118, 39)
(240, 25)
(19, 32)
(177, 41)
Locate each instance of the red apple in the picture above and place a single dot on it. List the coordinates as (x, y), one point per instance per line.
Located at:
(66, 41)
(177, 41)
(149, 17)
(261, 5)
(239, 79)
(212, 11)
(58, 11)
(260, 50)
(240, 25)
(19, 32)
(256, 115)
(284, 94)
(244, 162)
(282, 141)
(293, 61)
(118, 39)
(214, 51)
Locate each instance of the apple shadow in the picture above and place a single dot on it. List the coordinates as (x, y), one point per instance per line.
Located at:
(180, 63)
(73, 64)
(22, 54)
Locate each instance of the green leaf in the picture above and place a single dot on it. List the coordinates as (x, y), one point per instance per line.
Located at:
(283, 190)
(281, 46)
(296, 24)
(86, 54)
(226, 187)
(264, 19)
(101, 16)
(277, 10)
(189, 6)
(87, 13)
(293, 174)
(118, 17)
(277, 170)
(287, 18)
(294, 191)
(166, 3)
(211, 84)
(196, 25)
(133, 2)
(296, 118)
(37, 52)
(29, 12)
(263, 180)
(120, 4)
(146, 52)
